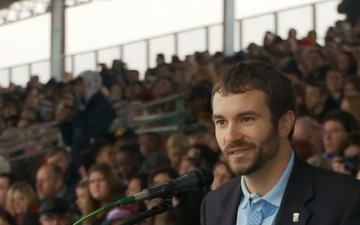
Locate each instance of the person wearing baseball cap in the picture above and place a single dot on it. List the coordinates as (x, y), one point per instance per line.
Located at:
(55, 211)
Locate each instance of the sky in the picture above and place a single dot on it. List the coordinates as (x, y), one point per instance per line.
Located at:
(106, 23)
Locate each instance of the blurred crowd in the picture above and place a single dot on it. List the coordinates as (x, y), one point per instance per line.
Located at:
(92, 166)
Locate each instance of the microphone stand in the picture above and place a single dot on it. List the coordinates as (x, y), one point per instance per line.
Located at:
(164, 205)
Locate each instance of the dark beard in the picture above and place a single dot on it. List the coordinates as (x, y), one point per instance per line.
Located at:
(265, 151)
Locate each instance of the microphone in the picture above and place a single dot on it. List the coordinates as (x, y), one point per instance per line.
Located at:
(195, 179)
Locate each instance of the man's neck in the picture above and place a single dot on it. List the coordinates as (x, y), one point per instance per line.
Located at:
(265, 179)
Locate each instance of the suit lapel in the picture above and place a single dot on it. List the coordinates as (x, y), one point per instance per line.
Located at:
(230, 204)
(298, 192)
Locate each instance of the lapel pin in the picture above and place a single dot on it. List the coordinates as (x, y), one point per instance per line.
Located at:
(296, 217)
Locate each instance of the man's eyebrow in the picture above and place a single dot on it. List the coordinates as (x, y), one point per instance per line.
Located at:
(242, 114)
(215, 116)
(248, 113)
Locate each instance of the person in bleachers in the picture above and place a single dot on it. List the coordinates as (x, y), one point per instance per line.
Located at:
(308, 129)
(318, 64)
(118, 71)
(174, 216)
(56, 211)
(84, 202)
(95, 112)
(149, 143)
(352, 86)
(334, 83)
(104, 152)
(21, 200)
(132, 91)
(137, 183)
(348, 160)
(116, 93)
(337, 126)
(164, 86)
(199, 102)
(317, 100)
(197, 156)
(346, 63)
(222, 174)
(128, 162)
(133, 76)
(124, 136)
(104, 187)
(160, 70)
(50, 183)
(64, 114)
(176, 147)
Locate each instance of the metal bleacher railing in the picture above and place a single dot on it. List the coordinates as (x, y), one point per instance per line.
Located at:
(188, 41)
(38, 139)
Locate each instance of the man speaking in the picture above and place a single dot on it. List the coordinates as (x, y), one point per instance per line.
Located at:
(254, 110)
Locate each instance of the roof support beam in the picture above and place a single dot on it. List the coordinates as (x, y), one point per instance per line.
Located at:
(57, 39)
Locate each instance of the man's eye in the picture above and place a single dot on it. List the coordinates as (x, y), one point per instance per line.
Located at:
(246, 119)
(220, 122)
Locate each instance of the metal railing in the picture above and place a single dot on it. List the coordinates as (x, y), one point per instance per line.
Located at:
(144, 123)
(33, 141)
(38, 139)
(186, 42)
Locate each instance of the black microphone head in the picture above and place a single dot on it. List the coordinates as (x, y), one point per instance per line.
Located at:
(205, 176)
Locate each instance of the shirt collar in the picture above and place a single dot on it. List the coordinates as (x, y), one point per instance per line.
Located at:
(274, 196)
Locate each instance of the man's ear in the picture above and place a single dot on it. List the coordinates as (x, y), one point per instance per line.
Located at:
(286, 123)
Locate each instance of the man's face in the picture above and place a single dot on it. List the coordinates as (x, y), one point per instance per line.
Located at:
(334, 81)
(4, 186)
(312, 97)
(244, 131)
(334, 133)
(55, 219)
(46, 186)
(126, 163)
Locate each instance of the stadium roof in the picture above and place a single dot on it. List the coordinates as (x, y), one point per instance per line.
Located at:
(15, 10)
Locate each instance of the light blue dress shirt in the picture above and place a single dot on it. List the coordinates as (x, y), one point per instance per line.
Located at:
(274, 196)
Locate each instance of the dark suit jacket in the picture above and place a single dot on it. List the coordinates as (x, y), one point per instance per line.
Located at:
(321, 197)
